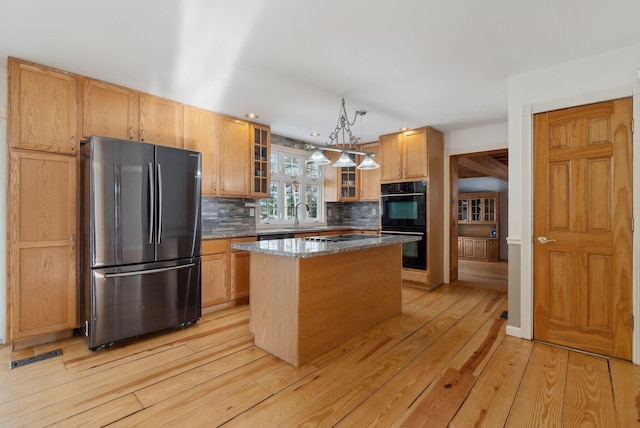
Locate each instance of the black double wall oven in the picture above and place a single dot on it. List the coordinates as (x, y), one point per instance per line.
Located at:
(403, 211)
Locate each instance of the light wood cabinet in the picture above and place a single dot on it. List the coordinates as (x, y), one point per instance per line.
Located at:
(225, 271)
(348, 182)
(478, 207)
(161, 121)
(239, 261)
(43, 108)
(108, 110)
(199, 135)
(370, 178)
(42, 232)
(485, 249)
(351, 184)
(215, 282)
(405, 156)
(478, 225)
(235, 156)
(261, 172)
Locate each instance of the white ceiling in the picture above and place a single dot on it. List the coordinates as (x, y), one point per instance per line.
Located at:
(443, 63)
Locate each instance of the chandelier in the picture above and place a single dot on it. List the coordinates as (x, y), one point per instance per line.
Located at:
(343, 139)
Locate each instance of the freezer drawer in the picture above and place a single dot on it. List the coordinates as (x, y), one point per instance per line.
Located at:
(134, 300)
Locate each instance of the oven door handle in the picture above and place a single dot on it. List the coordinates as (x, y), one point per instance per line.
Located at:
(401, 194)
(396, 232)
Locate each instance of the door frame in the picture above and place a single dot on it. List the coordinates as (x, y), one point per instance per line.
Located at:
(526, 274)
(447, 213)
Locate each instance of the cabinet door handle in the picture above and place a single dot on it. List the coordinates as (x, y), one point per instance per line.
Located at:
(73, 142)
(131, 132)
(73, 241)
(142, 134)
(398, 172)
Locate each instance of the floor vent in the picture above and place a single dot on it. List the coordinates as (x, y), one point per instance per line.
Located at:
(504, 315)
(35, 358)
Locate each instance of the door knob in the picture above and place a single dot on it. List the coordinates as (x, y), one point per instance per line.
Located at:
(544, 240)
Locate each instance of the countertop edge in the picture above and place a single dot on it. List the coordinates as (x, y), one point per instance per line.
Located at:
(301, 248)
(257, 232)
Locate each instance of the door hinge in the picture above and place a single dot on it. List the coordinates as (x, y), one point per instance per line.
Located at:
(633, 322)
(633, 223)
(633, 126)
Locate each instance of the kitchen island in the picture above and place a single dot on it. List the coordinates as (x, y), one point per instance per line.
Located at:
(309, 295)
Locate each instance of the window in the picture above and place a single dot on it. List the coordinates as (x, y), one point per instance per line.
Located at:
(295, 186)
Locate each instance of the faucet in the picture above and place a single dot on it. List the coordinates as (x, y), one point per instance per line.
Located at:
(297, 219)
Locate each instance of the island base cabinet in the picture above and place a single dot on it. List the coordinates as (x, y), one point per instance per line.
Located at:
(303, 307)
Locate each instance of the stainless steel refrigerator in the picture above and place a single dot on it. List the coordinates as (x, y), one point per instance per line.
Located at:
(141, 239)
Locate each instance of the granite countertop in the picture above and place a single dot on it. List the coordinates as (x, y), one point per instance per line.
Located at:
(219, 234)
(305, 247)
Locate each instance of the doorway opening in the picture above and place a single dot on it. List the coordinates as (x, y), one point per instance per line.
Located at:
(479, 218)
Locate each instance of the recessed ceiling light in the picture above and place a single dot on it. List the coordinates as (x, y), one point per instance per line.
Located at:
(251, 116)
(404, 128)
(315, 134)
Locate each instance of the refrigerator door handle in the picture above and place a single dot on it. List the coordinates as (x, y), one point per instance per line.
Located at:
(160, 208)
(151, 202)
(148, 271)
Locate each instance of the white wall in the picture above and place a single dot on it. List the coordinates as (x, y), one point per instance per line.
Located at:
(602, 77)
(3, 207)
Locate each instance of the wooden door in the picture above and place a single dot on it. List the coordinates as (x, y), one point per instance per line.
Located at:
(235, 157)
(109, 110)
(42, 232)
(161, 121)
(390, 157)
(414, 155)
(199, 136)
(43, 108)
(582, 208)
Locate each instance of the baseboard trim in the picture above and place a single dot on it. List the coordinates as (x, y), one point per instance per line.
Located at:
(514, 331)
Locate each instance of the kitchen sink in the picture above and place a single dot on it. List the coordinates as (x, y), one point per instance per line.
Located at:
(339, 238)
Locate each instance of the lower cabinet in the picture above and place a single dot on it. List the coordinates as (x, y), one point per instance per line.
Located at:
(225, 272)
(239, 271)
(215, 272)
(476, 248)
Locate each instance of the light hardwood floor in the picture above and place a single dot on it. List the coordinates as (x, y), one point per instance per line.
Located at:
(491, 275)
(444, 361)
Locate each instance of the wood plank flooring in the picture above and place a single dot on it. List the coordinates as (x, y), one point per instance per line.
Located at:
(445, 361)
(491, 275)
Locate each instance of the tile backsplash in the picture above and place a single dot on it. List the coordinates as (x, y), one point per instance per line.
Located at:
(225, 214)
(220, 214)
(361, 214)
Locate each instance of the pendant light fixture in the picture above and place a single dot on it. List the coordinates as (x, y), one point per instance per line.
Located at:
(343, 139)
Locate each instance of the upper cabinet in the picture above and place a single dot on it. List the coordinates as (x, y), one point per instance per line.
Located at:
(43, 108)
(109, 110)
(405, 156)
(478, 207)
(349, 184)
(261, 142)
(161, 121)
(199, 135)
(370, 178)
(236, 154)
